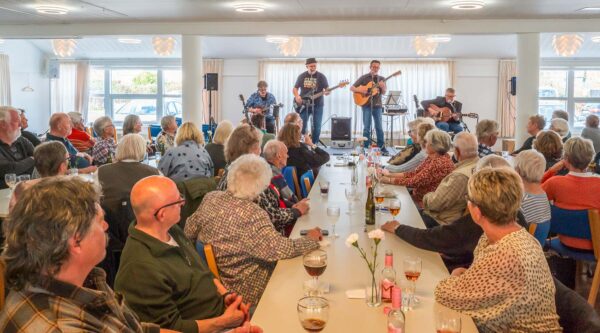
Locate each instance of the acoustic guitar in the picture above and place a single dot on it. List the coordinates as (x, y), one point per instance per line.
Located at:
(307, 98)
(362, 99)
(439, 114)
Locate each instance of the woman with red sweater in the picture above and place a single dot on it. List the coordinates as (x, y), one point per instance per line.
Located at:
(576, 190)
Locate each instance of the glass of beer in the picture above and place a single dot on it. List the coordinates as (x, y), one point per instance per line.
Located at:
(313, 313)
(394, 206)
(315, 263)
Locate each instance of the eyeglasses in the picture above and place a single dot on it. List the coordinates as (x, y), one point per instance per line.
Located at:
(178, 202)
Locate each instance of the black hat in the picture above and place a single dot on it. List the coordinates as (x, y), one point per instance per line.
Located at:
(311, 61)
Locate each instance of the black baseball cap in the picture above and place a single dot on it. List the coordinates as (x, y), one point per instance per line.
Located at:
(311, 61)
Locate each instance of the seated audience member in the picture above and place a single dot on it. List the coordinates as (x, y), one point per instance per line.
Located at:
(104, 149)
(16, 152)
(414, 162)
(216, 148)
(487, 135)
(549, 144)
(447, 203)
(80, 139)
(293, 118)
(534, 126)
(455, 241)
(509, 287)
(302, 155)
(276, 154)
(561, 127)
(530, 166)
(562, 114)
(246, 245)
(166, 137)
(427, 176)
(60, 291)
(161, 276)
(188, 159)
(397, 162)
(591, 131)
(132, 124)
(51, 159)
(244, 139)
(578, 189)
(60, 128)
(258, 120)
(32, 137)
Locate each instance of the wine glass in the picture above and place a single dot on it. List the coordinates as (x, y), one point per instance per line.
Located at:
(379, 197)
(351, 196)
(313, 313)
(394, 206)
(11, 181)
(315, 263)
(447, 321)
(333, 212)
(23, 178)
(412, 270)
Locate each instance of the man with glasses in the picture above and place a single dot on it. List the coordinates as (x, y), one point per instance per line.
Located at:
(433, 107)
(51, 159)
(162, 277)
(260, 102)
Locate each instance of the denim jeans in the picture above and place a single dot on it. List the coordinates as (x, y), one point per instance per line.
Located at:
(317, 118)
(449, 127)
(374, 114)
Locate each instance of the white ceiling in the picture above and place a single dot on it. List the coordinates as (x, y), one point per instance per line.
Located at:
(101, 11)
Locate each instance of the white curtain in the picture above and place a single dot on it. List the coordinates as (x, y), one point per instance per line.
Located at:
(64, 89)
(82, 92)
(4, 80)
(213, 66)
(426, 79)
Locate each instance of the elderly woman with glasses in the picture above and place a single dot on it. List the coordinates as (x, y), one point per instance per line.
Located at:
(509, 287)
(104, 149)
(166, 138)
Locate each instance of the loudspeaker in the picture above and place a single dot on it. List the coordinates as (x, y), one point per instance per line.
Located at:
(53, 68)
(211, 81)
(513, 85)
(340, 129)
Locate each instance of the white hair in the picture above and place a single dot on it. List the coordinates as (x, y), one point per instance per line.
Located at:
(5, 113)
(560, 126)
(467, 144)
(100, 124)
(493, 162)
(76, 118)
(438, 140)
(248, 176)
(166, 121)
(530, 165)
(131, 147)
(486, 128)
(271, 149)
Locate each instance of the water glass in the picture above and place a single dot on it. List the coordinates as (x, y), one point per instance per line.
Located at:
(333, 212)
(408, 294)
(23, 178)
(11, 180)
(157, 156)
(351, 193)
(447, 321)
(313, 313)
(73, 172)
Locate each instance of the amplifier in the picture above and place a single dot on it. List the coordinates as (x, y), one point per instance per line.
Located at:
(341, 129)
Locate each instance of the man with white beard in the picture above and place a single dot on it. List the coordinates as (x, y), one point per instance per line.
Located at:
(16, 152)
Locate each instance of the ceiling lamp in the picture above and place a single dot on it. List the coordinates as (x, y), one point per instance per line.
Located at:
(64, 47)
(467, 5)
(277, 39)
(596, 39)
(292, 47)
(438, 38)
(424, 47)
(567, 45)
(249, 7)
(164, 46)
(129, 40)
(51, 9)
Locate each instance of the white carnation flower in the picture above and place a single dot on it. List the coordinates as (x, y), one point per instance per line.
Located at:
(353, 238)
(376, 234)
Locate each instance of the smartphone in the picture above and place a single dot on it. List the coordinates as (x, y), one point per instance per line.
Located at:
(324, 232)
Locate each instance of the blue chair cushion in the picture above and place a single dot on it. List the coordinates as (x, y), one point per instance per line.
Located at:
(200, 250)
(288, 174)
(155, 130)
(541, 232)
(557, 246)
(572, 223)
(308, 174)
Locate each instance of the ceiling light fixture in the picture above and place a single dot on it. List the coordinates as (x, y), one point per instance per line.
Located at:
(164, 46)
(277, 39)
(291, 48)
(423, 47)
(438, 38)
(596, 39)
(51, 9)
(129, 40)
(589, 9)
(467, 5)
(567, 45)
(64, 47)
(249, 7)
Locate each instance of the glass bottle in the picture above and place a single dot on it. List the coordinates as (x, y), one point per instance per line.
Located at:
(388, 277)
(354, 175)
(370, 208)
(395, 318)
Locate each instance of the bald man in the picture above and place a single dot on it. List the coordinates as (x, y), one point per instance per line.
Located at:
(60, 129)
(161, 275)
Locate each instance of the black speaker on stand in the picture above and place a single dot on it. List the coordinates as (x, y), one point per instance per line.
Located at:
(211, 83)
(341, 133)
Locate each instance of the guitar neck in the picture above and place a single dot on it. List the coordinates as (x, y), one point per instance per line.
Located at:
(317, 95)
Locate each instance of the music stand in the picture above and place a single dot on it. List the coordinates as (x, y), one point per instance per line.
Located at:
(393, 99)
(394, 106)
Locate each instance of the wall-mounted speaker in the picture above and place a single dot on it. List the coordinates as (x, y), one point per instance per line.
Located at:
(53, 69)
(513, 85)
(211, 81)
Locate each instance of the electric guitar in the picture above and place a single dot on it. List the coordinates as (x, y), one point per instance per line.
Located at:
(306, 99)
(362, 99)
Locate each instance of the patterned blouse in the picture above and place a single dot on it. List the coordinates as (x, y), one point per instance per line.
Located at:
(165, 141)
(427, 176)
(508, 288)
(186, 161)
(246, 245)
(484, 150)
(103, 149)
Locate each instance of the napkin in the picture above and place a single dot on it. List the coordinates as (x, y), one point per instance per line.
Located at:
(355, 293)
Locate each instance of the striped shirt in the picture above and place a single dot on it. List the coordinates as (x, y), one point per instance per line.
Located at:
(409, 165)
(535, 207)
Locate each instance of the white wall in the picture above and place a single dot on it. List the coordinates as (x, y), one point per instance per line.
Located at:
(239, 77)
(26, 67)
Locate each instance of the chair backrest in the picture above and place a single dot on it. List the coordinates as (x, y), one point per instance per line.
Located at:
(153, 131)
(540, 231)
(211, 261)
(584, 223)
(306, 182)
(289, 174)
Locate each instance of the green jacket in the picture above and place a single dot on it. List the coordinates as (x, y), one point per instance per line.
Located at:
(167, 285)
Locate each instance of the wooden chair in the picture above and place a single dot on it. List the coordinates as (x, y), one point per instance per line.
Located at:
(208, 255)
(540, 231)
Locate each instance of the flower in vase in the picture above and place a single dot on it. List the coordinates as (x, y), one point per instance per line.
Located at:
(371, 171)
(377, 235)
(352, 240)
(360, 139)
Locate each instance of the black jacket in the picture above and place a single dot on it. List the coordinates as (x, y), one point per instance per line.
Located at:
(304, 158)
(9, 163)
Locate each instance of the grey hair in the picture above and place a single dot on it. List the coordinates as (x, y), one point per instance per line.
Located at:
(222, 132)
(131, 147)
(560, 126)
(438, 140)
(530, 165)
(76, 117)
(579, 152)
(5, 113)
(129, 123)
(467, 144)
(486, 128)
(271, 148)
(493, 162)
(166, 121)
(248, 176)
(100, 124)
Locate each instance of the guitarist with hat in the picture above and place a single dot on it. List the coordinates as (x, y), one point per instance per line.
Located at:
(445, 110)
(310, 83)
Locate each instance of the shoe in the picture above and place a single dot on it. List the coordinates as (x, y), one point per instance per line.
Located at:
(384, 151)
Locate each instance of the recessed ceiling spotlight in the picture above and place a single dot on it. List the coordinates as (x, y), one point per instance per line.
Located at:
(596, 39)
(438, 38)
(248, 7)
(277, 39)
(467, 4)
(589, 9)
(129, 40)
(51, 9)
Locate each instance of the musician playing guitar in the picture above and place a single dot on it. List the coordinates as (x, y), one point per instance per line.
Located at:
(445, 110)
(260, 102)
(309, 83)
(372, 109)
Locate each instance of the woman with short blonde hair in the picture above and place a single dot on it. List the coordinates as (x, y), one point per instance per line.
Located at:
(549, 144)
(131, 147)
(188, 159)
(189, 132)
(243, 140)
(216, 148)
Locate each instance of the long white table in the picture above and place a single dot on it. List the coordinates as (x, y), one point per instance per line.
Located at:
(4, 200)
(346, 270)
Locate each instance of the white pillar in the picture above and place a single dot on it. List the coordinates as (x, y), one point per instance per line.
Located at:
(193, 82)
(528, 72)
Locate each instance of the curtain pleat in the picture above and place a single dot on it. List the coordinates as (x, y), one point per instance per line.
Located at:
(4, 80)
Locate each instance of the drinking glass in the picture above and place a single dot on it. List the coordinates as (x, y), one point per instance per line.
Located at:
(324, 185)
(447, 321)
(379, 197)
(157, 156)
(11, 180)
(73, 172)
(23, 178)
(351, 193)
(315, 263)
(333, 212)
(394, 206)
(408, 293)
(412, 271)
(313, 313)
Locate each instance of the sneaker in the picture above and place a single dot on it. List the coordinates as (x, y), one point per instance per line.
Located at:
(384, 151)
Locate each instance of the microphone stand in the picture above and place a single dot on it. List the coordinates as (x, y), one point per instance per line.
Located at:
(371, 104)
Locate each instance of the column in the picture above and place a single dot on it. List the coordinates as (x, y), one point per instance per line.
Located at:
(528, 72)
(193, 82)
